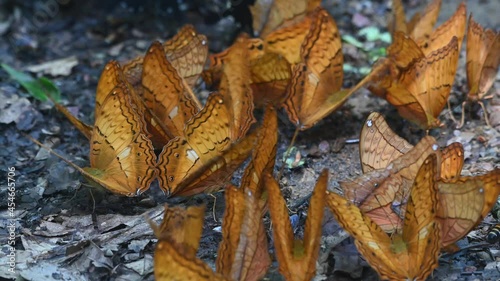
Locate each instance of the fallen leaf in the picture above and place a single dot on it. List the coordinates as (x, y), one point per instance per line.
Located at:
(60, 67)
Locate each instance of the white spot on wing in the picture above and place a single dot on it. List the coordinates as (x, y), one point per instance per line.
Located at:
(124, 153)
(174, 112)
(191, 155)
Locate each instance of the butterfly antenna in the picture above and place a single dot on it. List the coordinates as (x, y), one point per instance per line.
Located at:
(287, 153)
(55, 153)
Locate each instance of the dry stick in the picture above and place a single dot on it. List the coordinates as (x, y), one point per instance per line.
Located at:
(287, 153)
(81, 170)
(213, 207)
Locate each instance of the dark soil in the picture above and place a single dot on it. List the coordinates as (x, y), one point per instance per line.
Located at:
(55, 236)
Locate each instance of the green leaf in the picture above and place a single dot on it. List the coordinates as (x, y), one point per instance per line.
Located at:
(373, 34)
(38, 88)
(349, 39)
(370, 32)
(50, 88)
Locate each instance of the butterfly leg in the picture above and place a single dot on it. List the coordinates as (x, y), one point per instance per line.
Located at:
(462, 120)
(485, 113)
(451, 112)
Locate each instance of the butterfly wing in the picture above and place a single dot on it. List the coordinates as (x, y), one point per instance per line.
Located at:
(452, 161)
(269, 15)
(164, 93)
(464, 202)
(121, 156)
(421, 230)
(371, 241)
(490, 67)
(378, 144)
(453, 27)
(187, 51)
(235, 87)
(421, 26)
(270, 75)
(314, 90)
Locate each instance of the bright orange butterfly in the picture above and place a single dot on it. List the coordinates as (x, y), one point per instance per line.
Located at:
(236, 91)
(243, 253)
(483, 58)
(314, 89)
(271, 15)
(420, 25)
(408, 255)
(379, 146)
(122, 159)
(417, 85)
(178, 241)
(168, 99)
(204, 156)
(297, 258)
(187, 51)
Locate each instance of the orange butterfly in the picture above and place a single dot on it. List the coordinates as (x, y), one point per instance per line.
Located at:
(465, 202)
(297, 258)
(178, 241)
(269, 72)
(453, 27)
(409, 255)
(268, 16)
(483, 58)
(270, 75)
(187, 51)
(379, 146)
(417, 85)
(169, 101)
(204, 156)
(243, 253)
(111, 77)
(254, 48)
(236, 91)
(420, 25)
(390, 165)
(389, 186)
(314, 90)
(122, 159)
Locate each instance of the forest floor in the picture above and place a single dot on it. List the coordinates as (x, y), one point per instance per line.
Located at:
(54, 206)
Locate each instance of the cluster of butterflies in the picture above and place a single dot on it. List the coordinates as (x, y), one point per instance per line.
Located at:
(150, 125)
